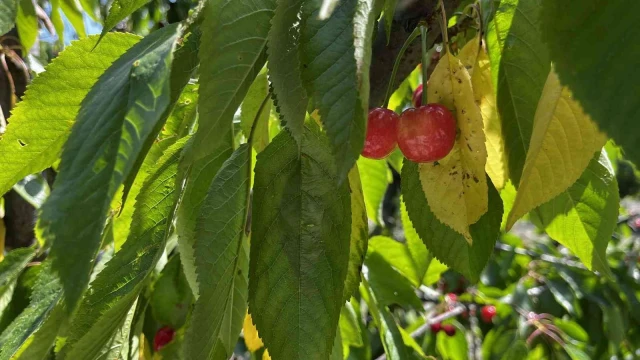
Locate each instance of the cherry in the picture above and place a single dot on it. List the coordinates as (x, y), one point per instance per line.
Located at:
(426, 134)
(382, 129)
(487, 313)
(449, 329)
(435, 328)
(451, 298)
(163, 337)
(636, 223)
(417, 96)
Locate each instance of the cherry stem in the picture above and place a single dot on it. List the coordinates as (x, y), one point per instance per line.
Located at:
(425, 63)
(396, 65)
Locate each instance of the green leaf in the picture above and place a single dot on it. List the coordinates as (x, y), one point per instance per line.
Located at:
(519, 64)
(290, 97)
(241, 29)
(350, 330)
(576, 40)
(390, 335)
(46, 295)
(118, 11)
(222, 259)
(27, 23)
(335, 55)
(563, 142)
(117, 117)
(375, 179)
(253, 103)
(12, 265)
(359, 235)
(171, 298)
(517, 351)
(583, 217)
(389, 11)
(442, 242)
(390, 285)
(572, 329)
(8, 12)
(114, 291)
(575, 352)
(563, 294)
(399, 256)
(300, 236)
(53, 101)
(73, 14)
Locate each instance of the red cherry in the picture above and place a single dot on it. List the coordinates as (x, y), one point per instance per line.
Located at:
(451, 298)
(382, 130)
(435, 328)
(426, 134)
(487, 313)
(417, 96)
(163, 337)
(636, 223)
(449, 329)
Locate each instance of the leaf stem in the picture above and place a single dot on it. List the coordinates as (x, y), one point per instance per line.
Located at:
(425, 62)
(396, 64)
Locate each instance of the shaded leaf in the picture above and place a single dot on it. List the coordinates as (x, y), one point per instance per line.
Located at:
(12, 265)
(300, 236)
(118, 11)
(44, 299)
(249, 112)
(563, 142)
(456, 186)
(575, 352)
(583, 217)
(390, 285)
(445, 244)
(8, 12)
(334, 72)
(574, 35)
(221, 252)
(520, 65)
(399, 256)
(359, 235)
(389, 11)
(104, 309)
(53, 100)
(564, 296)
(241, 29)
(285, 74)
(117, 117)
(350, 330)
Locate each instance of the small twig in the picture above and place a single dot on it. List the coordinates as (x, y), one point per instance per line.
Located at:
(543, 257)
(457, 310)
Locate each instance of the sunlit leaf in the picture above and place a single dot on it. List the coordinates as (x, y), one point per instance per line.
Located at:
(520, 65)
(375, 179)
(583, 217)
(583, 41)
(475, 59)
(299, 246)
(27, 23)
(52, 102)
(456, 186)
(252, 104)
(563, 142)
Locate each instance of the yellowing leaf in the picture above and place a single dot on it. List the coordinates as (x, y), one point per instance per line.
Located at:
(251, 337)
(474, 57)
(563, 142)
(456, 186)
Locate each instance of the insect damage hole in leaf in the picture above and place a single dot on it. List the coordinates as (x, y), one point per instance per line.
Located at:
(456, 186)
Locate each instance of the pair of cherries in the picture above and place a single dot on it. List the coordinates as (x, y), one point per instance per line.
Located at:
(423, 134)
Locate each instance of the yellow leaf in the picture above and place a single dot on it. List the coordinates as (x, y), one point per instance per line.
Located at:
(265, 355)
(251, 337)
(563, 142)
(456, 186)
(475, 59)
